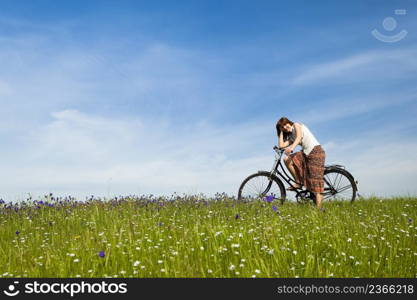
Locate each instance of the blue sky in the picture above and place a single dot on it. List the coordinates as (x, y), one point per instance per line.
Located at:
(122, 97)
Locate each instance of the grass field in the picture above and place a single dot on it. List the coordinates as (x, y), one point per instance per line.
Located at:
(192, 236)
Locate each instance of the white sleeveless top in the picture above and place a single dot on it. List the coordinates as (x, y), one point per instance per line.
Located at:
(308, 141)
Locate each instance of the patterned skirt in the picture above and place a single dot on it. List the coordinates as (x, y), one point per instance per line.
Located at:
(310, 168)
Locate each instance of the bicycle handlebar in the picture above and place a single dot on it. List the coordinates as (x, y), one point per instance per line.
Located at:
(278, 149)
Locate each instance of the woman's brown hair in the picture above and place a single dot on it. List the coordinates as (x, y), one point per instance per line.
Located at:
(282, 122)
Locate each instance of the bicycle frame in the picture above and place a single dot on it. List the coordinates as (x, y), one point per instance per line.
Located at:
(277, 164)
(287, 178)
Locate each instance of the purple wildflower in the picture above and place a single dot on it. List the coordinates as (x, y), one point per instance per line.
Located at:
(410, 220)
(237, 216)
(274, 208)
(269, 198)
(101, 254)
(17, 232)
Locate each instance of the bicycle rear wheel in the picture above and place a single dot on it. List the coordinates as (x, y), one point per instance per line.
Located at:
(339, 185)
(261, 186)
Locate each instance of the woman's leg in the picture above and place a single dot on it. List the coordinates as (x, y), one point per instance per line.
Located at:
(290, 166)
(319, 199)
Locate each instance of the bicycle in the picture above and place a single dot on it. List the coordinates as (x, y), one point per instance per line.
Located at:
(339, 184)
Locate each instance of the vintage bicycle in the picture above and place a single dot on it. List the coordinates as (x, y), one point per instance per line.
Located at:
(339, 184)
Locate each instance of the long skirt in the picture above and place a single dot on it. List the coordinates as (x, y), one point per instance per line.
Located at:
(310, 168)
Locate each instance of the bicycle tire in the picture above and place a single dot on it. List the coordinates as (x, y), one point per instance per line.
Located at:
(333, 177)
(245, 195)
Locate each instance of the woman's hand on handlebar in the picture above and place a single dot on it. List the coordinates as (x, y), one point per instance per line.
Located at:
(288, 150)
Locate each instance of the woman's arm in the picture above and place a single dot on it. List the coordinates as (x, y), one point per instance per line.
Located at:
(281, 142)
(298, 136)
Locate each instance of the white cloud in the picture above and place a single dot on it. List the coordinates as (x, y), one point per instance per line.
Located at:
(345, 107)
(385, 170)
(366, 66)
(384, 163)
(80, 154)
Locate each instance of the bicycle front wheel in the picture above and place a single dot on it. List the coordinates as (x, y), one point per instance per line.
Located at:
(262, 186)
(339, 185)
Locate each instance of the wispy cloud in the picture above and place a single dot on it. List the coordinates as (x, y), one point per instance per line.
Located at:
(367, 66)
(82, 154)
(345, 107)
(76, 150)
(384, 164)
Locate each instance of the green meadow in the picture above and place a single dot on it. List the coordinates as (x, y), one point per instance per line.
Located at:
(193, 236)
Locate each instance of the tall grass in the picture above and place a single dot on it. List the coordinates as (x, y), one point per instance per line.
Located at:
(192, 236)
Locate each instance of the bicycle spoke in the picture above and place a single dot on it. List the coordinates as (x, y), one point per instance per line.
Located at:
(254, 189)
(340, 179)
(260, 186)
(344, 188)
(337, 187)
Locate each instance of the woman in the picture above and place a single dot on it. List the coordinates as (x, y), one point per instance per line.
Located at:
(307, 166)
